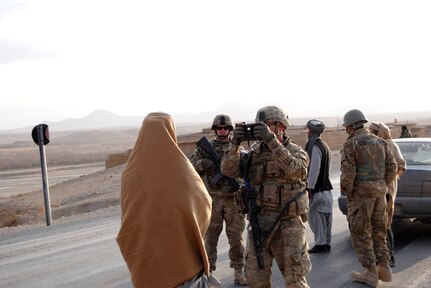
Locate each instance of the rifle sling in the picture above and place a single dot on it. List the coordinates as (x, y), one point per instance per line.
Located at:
(280, 215)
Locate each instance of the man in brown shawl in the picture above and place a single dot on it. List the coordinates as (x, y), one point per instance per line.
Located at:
(165, 210)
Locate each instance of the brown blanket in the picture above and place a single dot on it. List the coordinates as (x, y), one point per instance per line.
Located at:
(165, 209)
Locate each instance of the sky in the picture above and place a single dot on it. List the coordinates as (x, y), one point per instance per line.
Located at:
(64, 59)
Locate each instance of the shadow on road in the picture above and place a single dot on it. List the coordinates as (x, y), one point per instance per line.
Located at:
(407, 232)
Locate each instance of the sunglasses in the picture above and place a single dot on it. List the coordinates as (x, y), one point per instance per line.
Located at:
(222, 128)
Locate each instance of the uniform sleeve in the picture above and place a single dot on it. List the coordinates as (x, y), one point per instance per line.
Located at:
(313, 171)
(230, 162)
(195, 159)
(391, 166)
(348, 168)
(292, 159)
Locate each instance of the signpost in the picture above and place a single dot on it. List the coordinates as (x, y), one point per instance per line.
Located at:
(40, 135)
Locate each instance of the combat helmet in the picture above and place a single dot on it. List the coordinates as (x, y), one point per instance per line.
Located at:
(355, 118)
(222, 119)
(272, 113)
(316, 126)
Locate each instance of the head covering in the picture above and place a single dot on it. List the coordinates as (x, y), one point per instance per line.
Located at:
(355, 118)
(316, 128)
(222, 120)
(165, 209)
(374, 125)
(272, 113)
(383, 131)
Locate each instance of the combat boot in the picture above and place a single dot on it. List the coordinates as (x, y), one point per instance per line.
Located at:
(384, 271)
(369, 276)
(239, 277)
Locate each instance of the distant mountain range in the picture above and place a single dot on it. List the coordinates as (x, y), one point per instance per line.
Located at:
(101, 119)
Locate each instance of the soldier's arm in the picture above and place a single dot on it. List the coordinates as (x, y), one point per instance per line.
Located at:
(348, 168)
(196, 158)
(292, 159)
(230, 162)
(391, 166)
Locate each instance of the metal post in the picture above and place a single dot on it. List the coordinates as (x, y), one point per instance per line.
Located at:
(44, 175)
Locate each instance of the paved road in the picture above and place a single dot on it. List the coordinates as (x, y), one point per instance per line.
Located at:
(85, 254)
(27, 180)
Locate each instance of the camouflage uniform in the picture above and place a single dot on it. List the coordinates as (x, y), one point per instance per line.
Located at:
(223, 208)
(367, 166)
(278, 172)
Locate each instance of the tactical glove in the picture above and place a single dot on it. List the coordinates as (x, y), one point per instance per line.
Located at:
(262, 130)
(206, 164)
(238, 135)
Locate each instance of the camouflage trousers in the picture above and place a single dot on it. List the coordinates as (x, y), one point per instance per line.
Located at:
(287, 246)
(225, 210)
(367, 224)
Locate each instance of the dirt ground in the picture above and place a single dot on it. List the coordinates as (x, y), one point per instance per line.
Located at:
(84, 194)
(79, 195)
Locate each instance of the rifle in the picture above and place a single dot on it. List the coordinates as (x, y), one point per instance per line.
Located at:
(252, 210)
(206, 146)
(260, 237)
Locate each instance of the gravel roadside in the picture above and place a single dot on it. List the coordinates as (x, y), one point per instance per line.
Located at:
(82, 198)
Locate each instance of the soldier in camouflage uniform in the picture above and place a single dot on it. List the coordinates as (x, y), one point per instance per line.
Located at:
(278, 173)
(367, 167)
(223, 205)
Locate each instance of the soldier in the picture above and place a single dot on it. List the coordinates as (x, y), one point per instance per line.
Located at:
(381, 130)
(223, 205)
(367, 166)
(405, 132)
(319, 188)
(278, 173)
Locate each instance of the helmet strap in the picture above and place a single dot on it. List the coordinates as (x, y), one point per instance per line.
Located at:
(222, 137)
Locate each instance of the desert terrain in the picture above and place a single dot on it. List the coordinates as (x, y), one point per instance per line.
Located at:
(67, 150)
(86, 219)
(100, 189)
(83, 194)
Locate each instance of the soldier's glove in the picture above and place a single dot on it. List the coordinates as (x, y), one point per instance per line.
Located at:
(262, 130)
(206, 164)
(238, 135)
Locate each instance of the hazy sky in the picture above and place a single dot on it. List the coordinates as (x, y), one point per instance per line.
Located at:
(66, 58)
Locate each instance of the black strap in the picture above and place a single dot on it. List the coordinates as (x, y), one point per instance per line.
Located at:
(281, 215)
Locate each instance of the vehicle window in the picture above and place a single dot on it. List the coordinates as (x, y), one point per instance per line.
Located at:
(416, 153)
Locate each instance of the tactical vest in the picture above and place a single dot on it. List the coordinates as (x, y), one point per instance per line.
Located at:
(273, 188)
(370, 147)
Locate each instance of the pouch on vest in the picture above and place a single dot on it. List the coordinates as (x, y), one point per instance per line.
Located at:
(256, 174)
(241, 200)
(270, 196)
(273, 169)
(298, 207)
